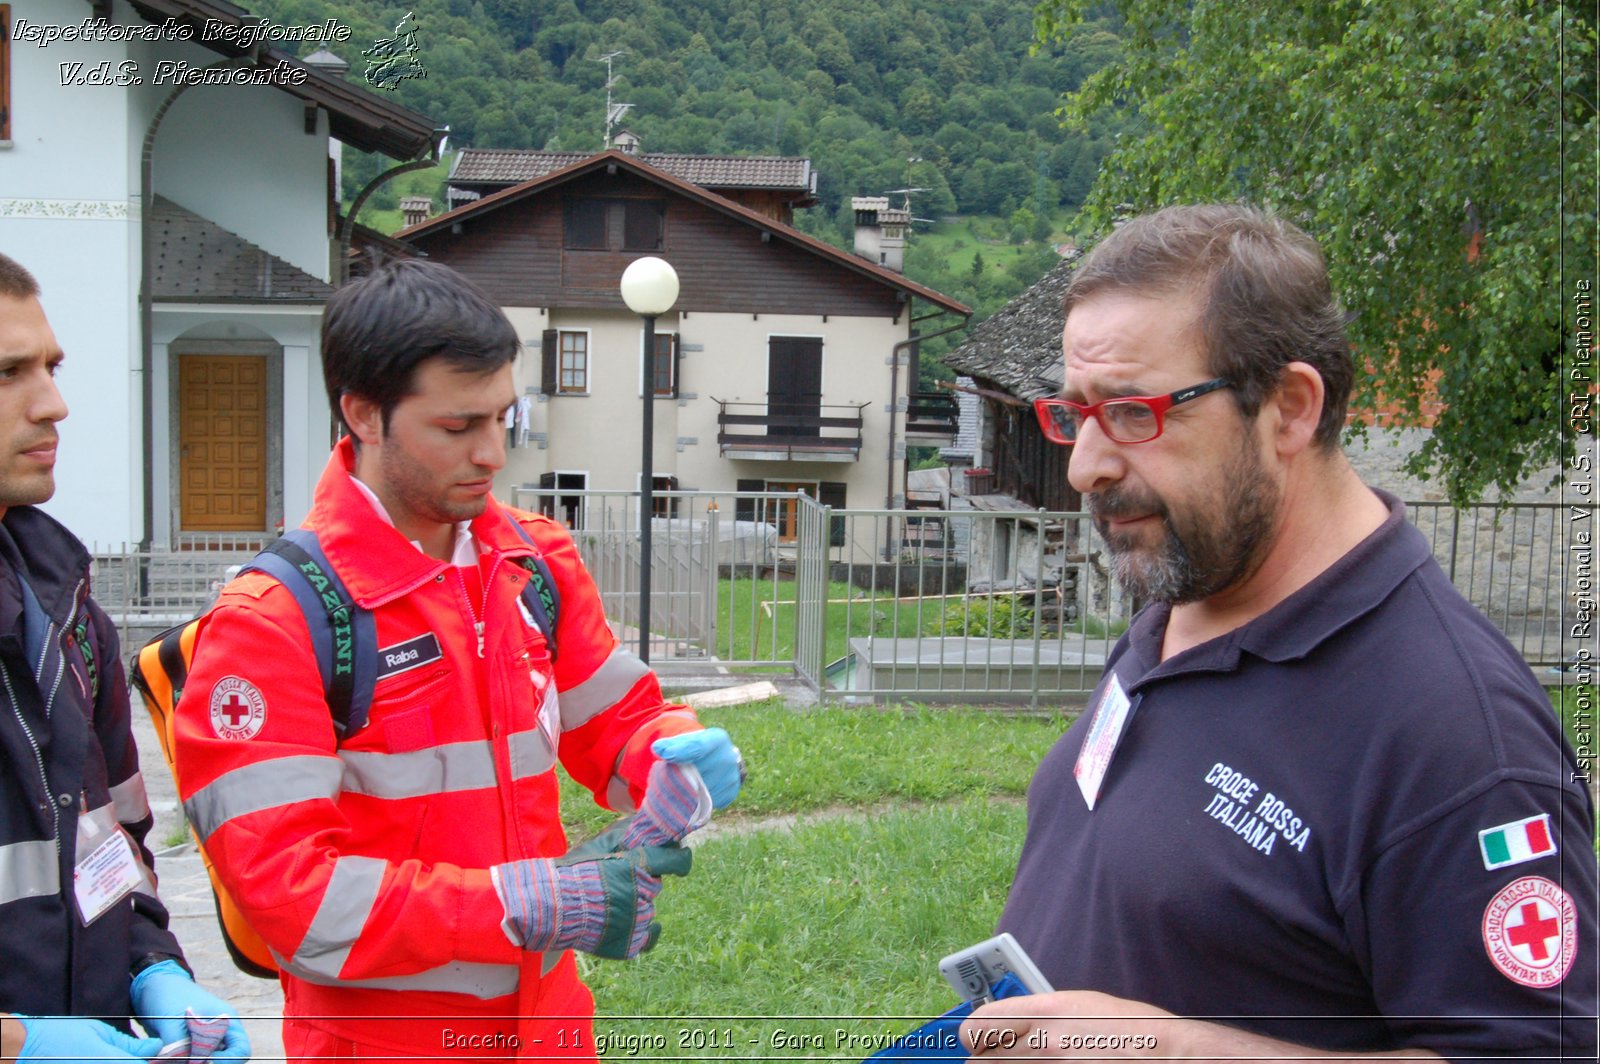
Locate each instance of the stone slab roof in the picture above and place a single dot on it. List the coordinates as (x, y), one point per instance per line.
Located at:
(511, 166)
(965, 446)
(198, 261)
(1018, 348)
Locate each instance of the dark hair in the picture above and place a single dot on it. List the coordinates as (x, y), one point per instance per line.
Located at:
(1263, 291)
(16, 282)
(377, 330)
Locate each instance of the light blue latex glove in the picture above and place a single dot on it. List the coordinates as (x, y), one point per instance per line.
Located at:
(164, 992)
(713, 753)
(78, 1038)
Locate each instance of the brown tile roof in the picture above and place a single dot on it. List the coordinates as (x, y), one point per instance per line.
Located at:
(511, 166)
(778, 229)
(1018, 347)
(197, 260)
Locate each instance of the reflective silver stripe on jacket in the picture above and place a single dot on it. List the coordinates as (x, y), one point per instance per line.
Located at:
(351, 893)
(129, 798)
(28, 870)
(617, 796)
(263, 785)
(530, 754)
(482, 981)
(464, 766)
(605, 688)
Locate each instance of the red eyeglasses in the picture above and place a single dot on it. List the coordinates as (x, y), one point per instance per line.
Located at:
(1125, 419)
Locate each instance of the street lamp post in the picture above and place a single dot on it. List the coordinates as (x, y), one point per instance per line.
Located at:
(650, 288)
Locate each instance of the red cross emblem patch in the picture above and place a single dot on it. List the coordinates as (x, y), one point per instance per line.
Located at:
(238, 710)
(1531, 932)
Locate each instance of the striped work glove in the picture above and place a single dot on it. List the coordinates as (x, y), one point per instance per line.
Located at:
(604, 905)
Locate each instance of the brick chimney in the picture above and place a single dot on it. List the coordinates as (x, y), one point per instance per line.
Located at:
(414, 209)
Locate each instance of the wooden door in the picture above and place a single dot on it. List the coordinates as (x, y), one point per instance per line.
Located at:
(785, 513)
(794, 385)
(222, 456)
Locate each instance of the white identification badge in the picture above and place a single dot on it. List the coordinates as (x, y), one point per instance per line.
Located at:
(106, 870)
(550, 716)
(1105, 731)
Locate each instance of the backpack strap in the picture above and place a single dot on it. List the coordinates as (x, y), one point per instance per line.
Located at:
(540, 597)
(344, 636)
(169, 651)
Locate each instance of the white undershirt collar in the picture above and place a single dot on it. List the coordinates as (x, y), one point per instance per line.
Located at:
(464, 552)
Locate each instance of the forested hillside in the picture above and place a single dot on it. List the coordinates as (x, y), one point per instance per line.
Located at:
(939, 95)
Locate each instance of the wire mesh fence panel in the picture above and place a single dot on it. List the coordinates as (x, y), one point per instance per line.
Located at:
(966, 606)
(871, 605)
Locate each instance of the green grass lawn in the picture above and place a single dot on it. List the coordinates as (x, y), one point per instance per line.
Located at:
(910, 821)
(805, 760)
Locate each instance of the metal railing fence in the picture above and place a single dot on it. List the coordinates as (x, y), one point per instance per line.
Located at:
(1510, 562)
(867, 605)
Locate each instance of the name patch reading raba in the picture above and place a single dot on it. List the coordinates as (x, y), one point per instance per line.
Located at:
(403, 657)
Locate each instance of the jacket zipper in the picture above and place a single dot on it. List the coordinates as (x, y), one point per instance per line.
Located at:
(477, 612)
(49, 705)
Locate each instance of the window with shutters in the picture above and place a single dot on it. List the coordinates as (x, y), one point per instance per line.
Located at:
(572, 363)
(598, 224)
(664, 367)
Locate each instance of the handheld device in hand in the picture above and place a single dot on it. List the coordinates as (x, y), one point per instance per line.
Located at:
(975, 970)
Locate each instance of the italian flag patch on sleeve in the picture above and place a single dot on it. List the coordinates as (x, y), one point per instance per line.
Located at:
(1516, 842)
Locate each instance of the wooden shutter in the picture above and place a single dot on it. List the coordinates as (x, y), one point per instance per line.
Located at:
(586, 224)
(5, 71)
(744, 507)
(547, 503)
(549, 360)
(677, 365)
(831, 493)
(641, 225)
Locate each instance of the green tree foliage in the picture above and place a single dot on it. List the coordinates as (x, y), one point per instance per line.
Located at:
(1442, 152)
(860, 88)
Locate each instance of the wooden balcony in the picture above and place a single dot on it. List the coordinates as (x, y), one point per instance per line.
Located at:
(932, 418)
(790, 432)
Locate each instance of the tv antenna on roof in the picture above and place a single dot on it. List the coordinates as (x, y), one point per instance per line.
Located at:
(614, 111)
(911, 162)
(906, 206)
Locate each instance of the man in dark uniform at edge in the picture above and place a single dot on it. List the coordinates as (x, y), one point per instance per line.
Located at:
(77, 963)
(1318, 806)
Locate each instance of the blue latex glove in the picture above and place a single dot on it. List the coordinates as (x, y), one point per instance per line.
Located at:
(713, 753)
(164, 992)
(78, 1038)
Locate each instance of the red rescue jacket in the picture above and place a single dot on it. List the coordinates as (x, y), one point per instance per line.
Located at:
(364, 864)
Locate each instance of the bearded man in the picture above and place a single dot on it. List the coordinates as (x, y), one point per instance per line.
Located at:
(1318, 806)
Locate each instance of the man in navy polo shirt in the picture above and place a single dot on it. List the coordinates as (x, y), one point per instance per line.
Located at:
(1318, 806)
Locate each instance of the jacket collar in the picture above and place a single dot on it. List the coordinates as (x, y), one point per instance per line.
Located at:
(375, 561)
(57, 562)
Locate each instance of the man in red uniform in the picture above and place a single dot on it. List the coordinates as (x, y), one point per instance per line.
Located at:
(405, 874)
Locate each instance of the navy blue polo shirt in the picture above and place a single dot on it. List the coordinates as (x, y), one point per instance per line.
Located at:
(1301, 830)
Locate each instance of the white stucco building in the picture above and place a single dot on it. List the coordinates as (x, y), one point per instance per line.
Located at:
(197, 406)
